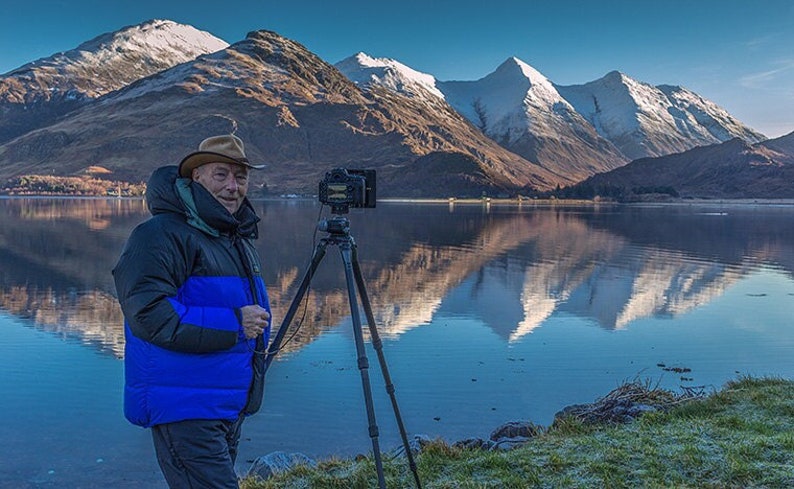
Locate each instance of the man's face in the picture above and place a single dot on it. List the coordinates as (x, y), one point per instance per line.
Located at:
(226, 182)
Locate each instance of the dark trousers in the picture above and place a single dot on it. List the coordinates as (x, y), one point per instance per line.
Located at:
(198, 453)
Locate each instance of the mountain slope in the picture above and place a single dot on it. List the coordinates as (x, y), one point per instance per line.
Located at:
(521, 109)
(734, 169)
(643, 120)
(36, 93)
(295, 112)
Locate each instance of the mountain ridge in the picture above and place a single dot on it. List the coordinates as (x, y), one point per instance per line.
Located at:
(512, 131)
(295, 112)
(733, 169)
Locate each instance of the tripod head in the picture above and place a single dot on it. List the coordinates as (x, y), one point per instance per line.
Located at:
(336, 226)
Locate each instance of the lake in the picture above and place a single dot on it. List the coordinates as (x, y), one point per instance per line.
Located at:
(489, 313)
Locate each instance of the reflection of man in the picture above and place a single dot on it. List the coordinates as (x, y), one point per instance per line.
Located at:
(196, 314)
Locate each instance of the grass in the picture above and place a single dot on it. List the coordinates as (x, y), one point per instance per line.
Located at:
(739, 437)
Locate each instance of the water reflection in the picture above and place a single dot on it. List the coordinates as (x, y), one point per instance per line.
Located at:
(512, 267)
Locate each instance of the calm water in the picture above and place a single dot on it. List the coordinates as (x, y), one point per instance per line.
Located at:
(488, 314)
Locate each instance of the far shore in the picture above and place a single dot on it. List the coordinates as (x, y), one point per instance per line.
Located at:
(529, 201)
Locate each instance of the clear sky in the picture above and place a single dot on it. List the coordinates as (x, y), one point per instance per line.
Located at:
(736, 53)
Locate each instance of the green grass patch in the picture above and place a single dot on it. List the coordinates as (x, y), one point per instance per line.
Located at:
(741, 436)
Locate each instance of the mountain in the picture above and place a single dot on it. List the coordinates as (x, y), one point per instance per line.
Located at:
(522, 110)
(366, 71)
(515, 106)
(296, 112)
(384, 78)
(38, 92)
(573, 131)
(128, 101)
(643, 120)
(733, 169)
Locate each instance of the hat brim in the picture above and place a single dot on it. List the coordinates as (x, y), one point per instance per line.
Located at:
(195, 160)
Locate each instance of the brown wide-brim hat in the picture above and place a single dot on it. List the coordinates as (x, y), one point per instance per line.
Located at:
(216, 149)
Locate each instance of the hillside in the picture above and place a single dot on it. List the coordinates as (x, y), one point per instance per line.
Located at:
(734, 169)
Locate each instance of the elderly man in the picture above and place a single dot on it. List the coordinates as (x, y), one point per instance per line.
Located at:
(197, 316)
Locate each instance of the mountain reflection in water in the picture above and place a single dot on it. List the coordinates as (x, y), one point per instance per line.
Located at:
(512, 267)
(488, 313)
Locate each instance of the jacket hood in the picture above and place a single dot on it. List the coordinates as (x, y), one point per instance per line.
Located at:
(166, 192)
(160, 194)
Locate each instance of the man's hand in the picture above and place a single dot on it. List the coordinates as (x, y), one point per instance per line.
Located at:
(255, 319)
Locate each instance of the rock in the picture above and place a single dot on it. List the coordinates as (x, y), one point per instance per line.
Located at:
(623, 411)
(274, 463)
(416, 444)
(509, 443)
(513, 434)
(639, 409)
(574, 410)
(474, 444)
(513, 429)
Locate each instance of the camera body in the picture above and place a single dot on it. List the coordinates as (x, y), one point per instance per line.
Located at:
(343, 188)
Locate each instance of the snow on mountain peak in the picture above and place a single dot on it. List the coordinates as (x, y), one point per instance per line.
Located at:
(645, 120)
(113, 60)
(714, 118)
(508, 100)
(365, 70)
(155, 38)
(533, 75)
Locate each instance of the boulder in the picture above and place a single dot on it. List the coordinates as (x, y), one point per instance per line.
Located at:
(274, 463)
(416, 444)
(513, 429)
(474, 444)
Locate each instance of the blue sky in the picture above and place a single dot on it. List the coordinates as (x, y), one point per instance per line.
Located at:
(736, 53)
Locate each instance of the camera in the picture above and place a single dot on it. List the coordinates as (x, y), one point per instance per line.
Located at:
(343, 188)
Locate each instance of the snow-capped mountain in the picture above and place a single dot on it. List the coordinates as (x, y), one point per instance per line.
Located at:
(112, 60)
(365, 70)
(99, 66)
(566, 129)
(644, 120)
(522, 110)
(513, 131)
(295, 111)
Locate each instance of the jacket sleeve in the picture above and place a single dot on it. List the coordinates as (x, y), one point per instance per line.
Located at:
(150, 270)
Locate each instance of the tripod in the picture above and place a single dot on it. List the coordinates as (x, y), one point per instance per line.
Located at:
(338, 229)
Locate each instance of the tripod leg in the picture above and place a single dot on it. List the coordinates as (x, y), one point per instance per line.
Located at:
(319, 253)
(378, 346)
(363, 363)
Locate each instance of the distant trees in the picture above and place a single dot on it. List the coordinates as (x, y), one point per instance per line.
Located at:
(78, 186)
(619, 193)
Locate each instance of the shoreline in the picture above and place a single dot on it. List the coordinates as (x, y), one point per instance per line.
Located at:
(461, 201)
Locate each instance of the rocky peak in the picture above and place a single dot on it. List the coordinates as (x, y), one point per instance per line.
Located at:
(302, 72)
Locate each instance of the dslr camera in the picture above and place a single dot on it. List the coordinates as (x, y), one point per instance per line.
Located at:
(342, 189)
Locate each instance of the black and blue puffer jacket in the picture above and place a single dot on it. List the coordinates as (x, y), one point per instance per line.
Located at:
(181, 280)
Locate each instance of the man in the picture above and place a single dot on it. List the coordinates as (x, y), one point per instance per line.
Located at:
(197, 316)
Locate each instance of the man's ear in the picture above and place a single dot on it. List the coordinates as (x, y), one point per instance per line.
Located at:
(195, 174)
